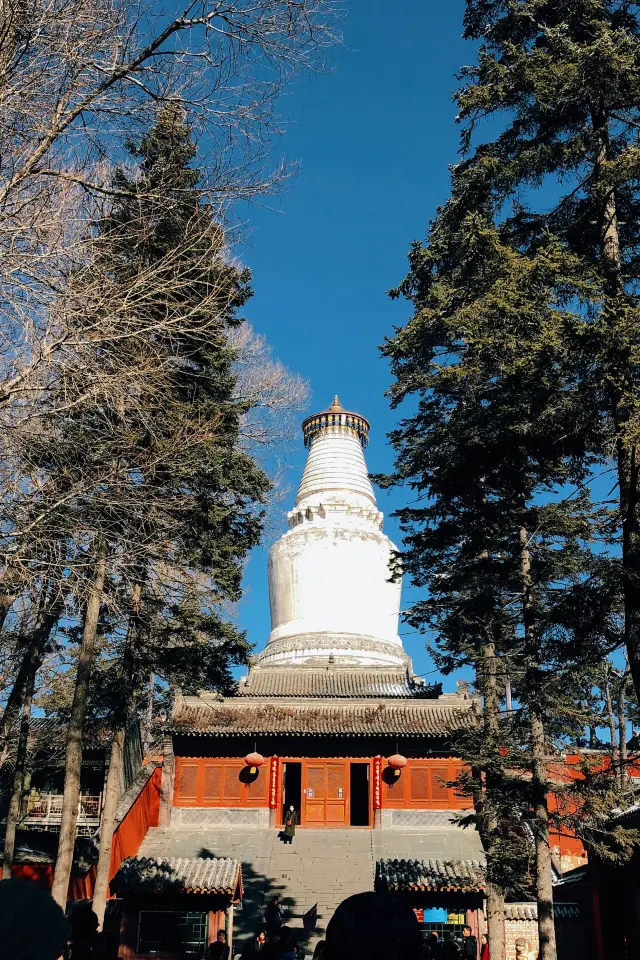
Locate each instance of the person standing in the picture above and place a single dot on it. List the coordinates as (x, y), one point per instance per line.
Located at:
(435, 946)
(290, 821)
(484, 947)
(256, 947)
(273, 916)
(219, 949)
(469, 950)
(449, 947)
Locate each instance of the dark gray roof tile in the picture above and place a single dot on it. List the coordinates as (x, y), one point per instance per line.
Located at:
(177, 874)
(425, 718)
(466, 876)
(332, 682)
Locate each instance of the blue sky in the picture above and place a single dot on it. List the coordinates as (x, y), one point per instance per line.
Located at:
(374, 140)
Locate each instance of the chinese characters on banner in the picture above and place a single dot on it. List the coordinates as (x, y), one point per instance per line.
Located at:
(377, 790)
(273, 783)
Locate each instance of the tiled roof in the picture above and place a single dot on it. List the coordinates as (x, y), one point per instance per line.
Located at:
(529, 911)
(179, 874)
(40, 846)
(327, 682)
(424, 718)
(520, 911)
(466, 876)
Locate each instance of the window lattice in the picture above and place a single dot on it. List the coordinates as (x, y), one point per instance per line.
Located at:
(336, 781)
(212, 782)
(439, 789)
(315, 781)
(188, 785)
(258, 787)
(395, 787)
(232, 783)
(420, 783)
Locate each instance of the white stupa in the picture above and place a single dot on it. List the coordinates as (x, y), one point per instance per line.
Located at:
(331, 597)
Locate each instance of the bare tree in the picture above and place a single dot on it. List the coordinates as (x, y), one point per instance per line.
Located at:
(78, 78)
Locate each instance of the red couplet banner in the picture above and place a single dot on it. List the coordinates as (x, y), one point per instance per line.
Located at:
(377, 787)
(273, 783)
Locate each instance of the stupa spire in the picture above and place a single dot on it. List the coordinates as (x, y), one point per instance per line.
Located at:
(336, 438)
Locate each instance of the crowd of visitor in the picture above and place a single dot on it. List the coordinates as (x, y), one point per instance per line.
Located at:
(370, 926)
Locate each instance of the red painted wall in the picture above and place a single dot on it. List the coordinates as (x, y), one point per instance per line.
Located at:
(142, 815)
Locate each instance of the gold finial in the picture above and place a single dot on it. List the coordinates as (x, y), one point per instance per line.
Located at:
(336, 406)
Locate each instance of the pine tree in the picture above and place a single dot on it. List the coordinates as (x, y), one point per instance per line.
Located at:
(501, 544)
(180, 505)
(562, 77)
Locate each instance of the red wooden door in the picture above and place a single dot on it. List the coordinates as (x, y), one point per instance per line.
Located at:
(325, 793)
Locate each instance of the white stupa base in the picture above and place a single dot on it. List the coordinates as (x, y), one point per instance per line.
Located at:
(341, 649)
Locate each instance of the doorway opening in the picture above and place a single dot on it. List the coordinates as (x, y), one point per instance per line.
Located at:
(359, 795)
(292, 787)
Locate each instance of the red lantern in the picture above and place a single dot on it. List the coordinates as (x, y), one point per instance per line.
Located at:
(253, 761)
(397, 762)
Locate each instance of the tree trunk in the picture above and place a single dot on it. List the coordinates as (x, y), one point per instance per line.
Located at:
(622, 394)
(112, 791)
(15, 804)
(73, 761)
(111, 797)
(539, 785)
(544, 871)
(31, 658)
(623, 771)
(495, 894)
(148, 726)
(608, 700)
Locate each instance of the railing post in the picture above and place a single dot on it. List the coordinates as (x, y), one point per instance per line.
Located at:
(48, 816)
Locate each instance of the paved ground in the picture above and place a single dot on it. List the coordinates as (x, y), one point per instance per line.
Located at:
(321, 867)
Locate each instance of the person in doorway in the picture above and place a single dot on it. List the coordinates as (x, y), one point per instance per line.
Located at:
(219, 949)
(290, 821)
(256, 947)
(274, 917)
(469, 948)
(484, 947)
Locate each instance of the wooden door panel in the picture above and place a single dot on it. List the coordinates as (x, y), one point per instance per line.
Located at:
(314, 813)
(336, 793)
(336, 813)
(325, 793)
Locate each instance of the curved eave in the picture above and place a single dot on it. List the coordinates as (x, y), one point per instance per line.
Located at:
(309, 733)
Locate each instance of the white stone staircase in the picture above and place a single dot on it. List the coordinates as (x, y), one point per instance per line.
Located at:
(320, 866)
(323, 867)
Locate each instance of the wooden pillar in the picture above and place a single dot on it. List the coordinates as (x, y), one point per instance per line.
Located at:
(230, 929)
(168, 777)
